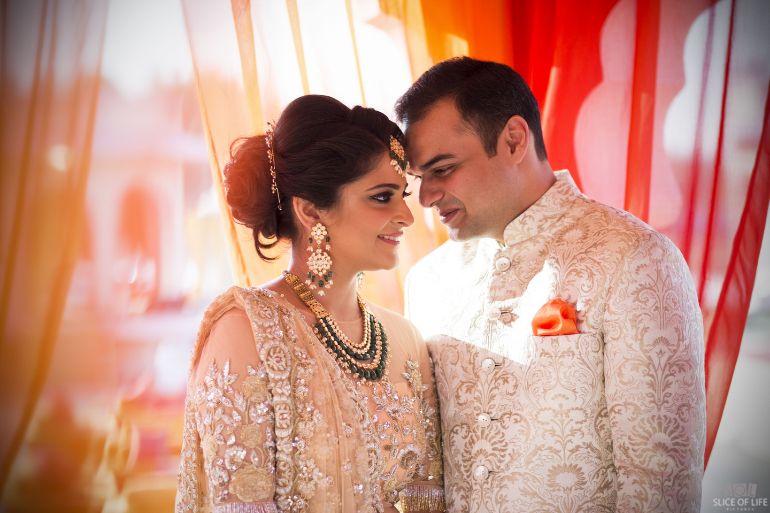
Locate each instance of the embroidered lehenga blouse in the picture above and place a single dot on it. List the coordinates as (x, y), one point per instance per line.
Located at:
(273, 423)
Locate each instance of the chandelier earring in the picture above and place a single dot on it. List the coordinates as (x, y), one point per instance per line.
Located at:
(319, 262)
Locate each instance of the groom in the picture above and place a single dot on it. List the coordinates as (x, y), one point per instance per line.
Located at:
(566, 334)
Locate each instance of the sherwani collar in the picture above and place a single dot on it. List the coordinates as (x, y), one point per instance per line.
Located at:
(545, 212)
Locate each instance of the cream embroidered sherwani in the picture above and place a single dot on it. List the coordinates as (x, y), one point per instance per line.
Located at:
(610, 419)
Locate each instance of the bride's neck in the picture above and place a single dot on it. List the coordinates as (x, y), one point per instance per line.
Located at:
(341, 298)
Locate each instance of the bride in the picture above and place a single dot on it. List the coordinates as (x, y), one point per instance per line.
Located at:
(302, 396)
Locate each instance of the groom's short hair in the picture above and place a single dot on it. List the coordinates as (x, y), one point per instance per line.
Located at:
(485, 93)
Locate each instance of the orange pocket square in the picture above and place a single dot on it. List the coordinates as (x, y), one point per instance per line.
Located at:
(556, 317)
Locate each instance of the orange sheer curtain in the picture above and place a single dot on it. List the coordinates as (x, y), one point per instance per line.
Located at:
(644, 101)
(267, 54)
(49, 81)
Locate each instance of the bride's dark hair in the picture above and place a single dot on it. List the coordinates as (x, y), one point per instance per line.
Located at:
(319, 145)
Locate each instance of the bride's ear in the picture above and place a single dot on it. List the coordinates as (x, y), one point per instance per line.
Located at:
(305, 212)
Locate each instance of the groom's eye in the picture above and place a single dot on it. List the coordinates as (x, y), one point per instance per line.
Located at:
(443, 171)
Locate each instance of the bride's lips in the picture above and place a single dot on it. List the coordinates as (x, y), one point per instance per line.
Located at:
(391, 238)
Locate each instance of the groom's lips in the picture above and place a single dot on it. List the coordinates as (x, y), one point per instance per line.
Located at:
(448, 215)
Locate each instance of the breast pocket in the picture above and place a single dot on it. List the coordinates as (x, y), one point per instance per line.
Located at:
(565, 371)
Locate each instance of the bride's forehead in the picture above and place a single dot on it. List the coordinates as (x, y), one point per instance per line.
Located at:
(382, 172)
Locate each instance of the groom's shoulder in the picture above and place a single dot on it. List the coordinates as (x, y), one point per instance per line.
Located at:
(449, 257)
(425, 274)
(442, 253)
(637, 235)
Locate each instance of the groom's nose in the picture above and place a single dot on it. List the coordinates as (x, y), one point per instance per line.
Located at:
(429, 194)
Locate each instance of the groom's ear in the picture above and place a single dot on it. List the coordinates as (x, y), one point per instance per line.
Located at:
(514, 139)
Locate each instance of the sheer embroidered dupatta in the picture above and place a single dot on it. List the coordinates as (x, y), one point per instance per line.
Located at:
(271, 422)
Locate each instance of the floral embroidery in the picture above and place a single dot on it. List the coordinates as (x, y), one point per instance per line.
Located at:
(609, 419)
(210, 447)
(189, 493)
(296, 418)
(265, 440)
(428, 421)
(251, 484)
(566, 476)
(251, 435)
(223, 416)
(255, 388)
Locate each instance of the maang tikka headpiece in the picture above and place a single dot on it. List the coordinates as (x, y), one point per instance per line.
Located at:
(271, 159)
(398, 157)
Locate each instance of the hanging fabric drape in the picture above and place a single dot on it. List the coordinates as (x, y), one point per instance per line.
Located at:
(729, 319)
(655, 107)
(641, 101)
(49, 82)
(271, 52)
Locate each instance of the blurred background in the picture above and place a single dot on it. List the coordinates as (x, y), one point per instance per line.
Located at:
(116, 119)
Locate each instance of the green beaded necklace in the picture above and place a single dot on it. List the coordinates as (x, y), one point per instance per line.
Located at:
(368, 358)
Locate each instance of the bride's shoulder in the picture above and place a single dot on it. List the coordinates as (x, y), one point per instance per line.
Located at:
(238, 316)
(244, 300)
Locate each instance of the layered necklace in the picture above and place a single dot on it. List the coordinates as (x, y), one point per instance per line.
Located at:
(367, 358)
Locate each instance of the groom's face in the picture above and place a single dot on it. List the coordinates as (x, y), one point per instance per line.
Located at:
(456, 176)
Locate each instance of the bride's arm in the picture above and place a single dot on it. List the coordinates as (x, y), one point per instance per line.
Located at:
(426, 494)
(234, 419)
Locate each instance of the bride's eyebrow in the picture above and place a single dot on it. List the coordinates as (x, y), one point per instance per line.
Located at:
(393, 186)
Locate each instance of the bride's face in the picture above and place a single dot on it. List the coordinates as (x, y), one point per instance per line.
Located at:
(367, 223)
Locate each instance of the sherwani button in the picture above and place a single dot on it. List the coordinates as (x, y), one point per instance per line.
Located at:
(483, 419)
(487, 364)
(503, 264)
(508, 317)
(481, 473)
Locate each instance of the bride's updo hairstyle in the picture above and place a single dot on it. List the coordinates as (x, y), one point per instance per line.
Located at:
(319, 145)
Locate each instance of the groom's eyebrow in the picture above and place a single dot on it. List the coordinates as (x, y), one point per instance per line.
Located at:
(438, 158)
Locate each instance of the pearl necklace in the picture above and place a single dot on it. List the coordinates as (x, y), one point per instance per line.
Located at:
(367, 358)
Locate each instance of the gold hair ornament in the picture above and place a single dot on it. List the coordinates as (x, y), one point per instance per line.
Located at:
(271, 159)
(398, 157)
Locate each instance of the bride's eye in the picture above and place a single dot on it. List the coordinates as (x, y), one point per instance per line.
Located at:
(382, 197)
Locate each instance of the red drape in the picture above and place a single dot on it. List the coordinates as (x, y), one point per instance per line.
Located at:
(724, 337)
(640, 100)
